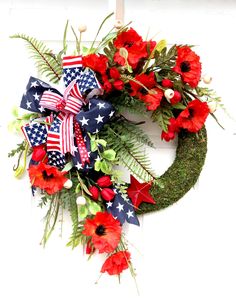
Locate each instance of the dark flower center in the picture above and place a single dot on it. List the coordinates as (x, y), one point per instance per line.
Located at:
(143, 91)
(185, 66)
(191, 113)
(46, 176)
(128, 44)
(100, 230)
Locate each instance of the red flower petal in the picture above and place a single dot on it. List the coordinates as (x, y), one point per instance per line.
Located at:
(116, 263)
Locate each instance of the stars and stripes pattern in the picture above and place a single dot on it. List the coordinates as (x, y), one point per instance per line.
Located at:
(60, 135)
(122, 208)
(35, 133)
(72, 68)
(34, 91)
(99, 113)
(56, 159)
(84, 78)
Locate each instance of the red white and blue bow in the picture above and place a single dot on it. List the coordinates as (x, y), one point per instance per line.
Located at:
(77, 112)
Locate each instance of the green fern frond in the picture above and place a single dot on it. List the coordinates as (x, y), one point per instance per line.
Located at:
(132, 131)
(130, 152)
(46, 62)
(74, 239)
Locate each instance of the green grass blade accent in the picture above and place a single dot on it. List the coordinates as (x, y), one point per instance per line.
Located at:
(99, 29)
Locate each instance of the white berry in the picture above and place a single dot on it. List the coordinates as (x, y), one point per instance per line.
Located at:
(169, 93)
(82, 28)
(212, 106)
(68, 184)
(118, 24)
(207, 79)
(80, 200)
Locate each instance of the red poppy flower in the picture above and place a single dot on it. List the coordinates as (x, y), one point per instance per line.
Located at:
(148, 80)
(96, 62)
(47, 178)
(153, 99)
(194, 116)
(116, 263)
(127, 39)
(188, 65)
(105, 232)
(133, 43)
(172, 130)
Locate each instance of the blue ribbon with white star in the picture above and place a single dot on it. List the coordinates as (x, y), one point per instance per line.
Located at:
(122, 209)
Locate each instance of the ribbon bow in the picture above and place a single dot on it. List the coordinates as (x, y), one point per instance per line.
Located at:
(72, 120)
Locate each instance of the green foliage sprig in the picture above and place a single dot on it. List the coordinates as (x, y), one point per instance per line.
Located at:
(46, 62)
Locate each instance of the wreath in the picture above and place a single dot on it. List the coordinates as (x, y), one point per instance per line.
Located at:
(76, 137)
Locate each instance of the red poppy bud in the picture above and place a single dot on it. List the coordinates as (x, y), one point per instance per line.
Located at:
(114, 73)
(107, 86)
(90, 249)
(38, 153)
(95, 192)
(118, 85)
(107, 194)
(104, 181)
(176, 98)
(167, 83)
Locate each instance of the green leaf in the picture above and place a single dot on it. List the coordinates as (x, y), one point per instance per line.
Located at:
(94, 207)
(78, 188)
(93, 145)
(15, 111)
(68, 167)
(83, 211)
(161, 45)
(101, 142)
(109, 154)
(179, 106)
(97, 165)
(162, 116)
(106, 167)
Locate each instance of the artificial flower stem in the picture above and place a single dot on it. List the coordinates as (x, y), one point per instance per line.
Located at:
(99, 29)
(47, 231)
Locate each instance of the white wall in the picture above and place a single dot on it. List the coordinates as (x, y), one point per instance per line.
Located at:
(186, 252)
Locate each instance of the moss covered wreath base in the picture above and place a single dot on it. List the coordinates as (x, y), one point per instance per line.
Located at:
(182, 175)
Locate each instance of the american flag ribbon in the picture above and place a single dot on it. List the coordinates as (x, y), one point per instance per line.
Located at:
(60, 135)
(36, 132)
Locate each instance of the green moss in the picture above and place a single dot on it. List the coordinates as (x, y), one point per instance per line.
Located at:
(182, 174)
